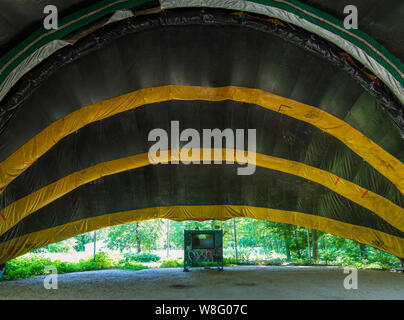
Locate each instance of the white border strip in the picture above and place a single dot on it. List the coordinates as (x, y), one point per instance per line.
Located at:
(280, 14)
(29, 63)
(44, 52)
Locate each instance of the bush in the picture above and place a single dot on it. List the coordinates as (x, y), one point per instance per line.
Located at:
(104, 260)
(129, 266)
(141, 257)
(25, 267)
(171, 264)
(30, 266)
(66, 267)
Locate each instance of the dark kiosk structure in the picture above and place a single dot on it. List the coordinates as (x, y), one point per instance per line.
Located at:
(203, 246)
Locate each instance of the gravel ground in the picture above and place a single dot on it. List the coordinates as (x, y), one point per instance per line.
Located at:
(241, 282)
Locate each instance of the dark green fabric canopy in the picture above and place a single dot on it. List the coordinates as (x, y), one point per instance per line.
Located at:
(54, 133)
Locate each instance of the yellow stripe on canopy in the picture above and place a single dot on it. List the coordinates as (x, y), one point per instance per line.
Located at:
(380, 240)
(23, 207)
(377, 157)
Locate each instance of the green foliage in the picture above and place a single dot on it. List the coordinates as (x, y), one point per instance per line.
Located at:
(130, 266)
(57, 247)
(33, 265)
(139, 235)
(104, 260)
(258, 242)
(177, 230)
(255, 254)
(141, 257)
(172, 264)
(25, 267)
(82, 240)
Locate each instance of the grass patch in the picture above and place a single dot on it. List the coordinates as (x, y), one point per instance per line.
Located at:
(172, 264)
(34, 265)
(130, 266)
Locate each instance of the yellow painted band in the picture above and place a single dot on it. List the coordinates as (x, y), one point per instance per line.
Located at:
(23, 207)
(381, 160)
(380, 240)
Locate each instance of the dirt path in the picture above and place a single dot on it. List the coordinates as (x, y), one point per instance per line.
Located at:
(249, 282)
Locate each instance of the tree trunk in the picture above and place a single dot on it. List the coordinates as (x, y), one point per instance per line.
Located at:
(168, 238)
(315, 244)
(139, 248)
(235, 239)
(297, 243)
(308, 245)
(269, 245)
(364, 253)
(287, 246)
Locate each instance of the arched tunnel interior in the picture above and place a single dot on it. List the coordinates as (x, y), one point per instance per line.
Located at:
(78, 104)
